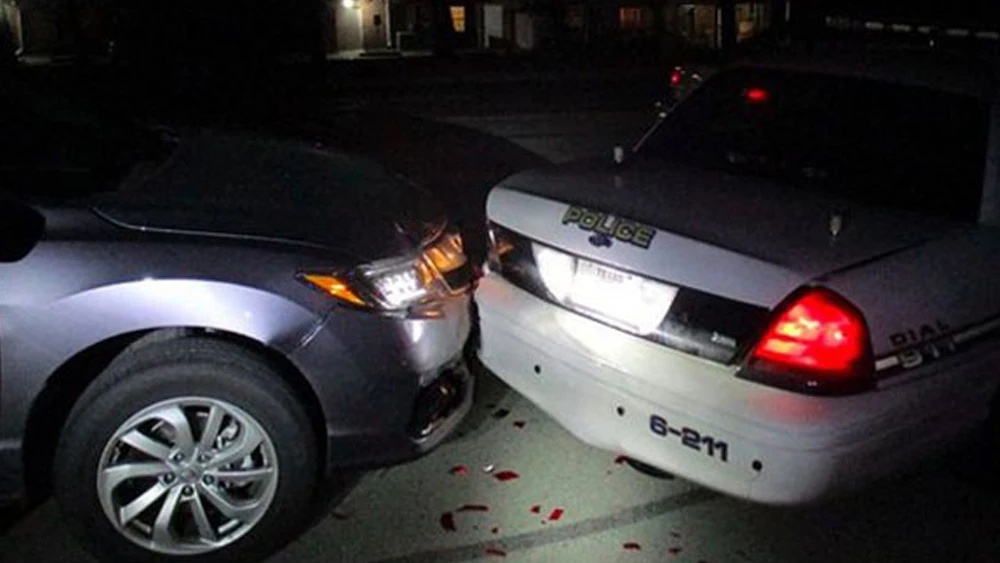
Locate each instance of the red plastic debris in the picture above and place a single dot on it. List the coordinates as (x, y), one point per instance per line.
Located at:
(448, 522)
(519, 424)
(620, 460)
(631, 546)
(496, 552)
(495, 531)
(675, 550)
(556, 514)
(506, 476)
(536, 509)
(459, 470)
(500, 413)
(473, 508)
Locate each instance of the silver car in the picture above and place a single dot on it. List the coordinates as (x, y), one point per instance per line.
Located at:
(195, 330)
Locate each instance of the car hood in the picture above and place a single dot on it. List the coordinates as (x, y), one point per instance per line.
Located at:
(275, 189)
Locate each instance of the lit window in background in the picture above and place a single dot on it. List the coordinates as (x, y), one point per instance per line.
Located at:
(457, 18)
(630, 18)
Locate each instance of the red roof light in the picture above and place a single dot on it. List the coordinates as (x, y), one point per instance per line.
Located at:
(757, 95)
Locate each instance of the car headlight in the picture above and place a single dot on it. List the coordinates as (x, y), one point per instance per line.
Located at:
(397, 285)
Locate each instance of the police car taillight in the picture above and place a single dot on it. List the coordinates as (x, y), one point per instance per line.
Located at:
(817, 342)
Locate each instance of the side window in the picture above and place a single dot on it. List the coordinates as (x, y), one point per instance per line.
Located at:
(20, 229)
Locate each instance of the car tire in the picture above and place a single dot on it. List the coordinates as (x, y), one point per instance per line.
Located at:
(125, 443)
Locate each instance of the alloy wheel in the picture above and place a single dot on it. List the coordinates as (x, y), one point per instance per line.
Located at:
(187, 476)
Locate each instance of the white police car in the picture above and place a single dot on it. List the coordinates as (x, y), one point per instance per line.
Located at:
(786, 290)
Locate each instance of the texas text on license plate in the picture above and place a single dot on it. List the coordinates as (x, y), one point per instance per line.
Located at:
(609, 292)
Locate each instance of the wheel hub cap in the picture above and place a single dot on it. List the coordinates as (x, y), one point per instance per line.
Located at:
(187, 476)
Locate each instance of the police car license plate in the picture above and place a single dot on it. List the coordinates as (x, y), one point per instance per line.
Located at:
(608, 292)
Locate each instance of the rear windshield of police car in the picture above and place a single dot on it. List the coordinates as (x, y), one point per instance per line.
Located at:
(905, 147)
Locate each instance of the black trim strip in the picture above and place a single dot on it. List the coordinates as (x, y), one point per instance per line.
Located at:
(698, 323)
(901, 360)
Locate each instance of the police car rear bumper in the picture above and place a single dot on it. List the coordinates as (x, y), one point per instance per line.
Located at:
(694, 418)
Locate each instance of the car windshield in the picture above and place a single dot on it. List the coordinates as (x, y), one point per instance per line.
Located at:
(870, 142)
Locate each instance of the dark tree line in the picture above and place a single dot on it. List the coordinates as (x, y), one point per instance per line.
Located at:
(183, 30)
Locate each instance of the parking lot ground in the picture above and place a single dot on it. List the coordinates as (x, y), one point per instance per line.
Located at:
(570, 502)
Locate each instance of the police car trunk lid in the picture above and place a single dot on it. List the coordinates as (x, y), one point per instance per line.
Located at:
(738, 245)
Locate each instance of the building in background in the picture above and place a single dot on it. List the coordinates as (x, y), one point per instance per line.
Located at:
(10, 29)
(700, 22)
(596, 25)
(362, 25)
(144, 30)
(413, 22)
(622, 28)
(55, 28)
